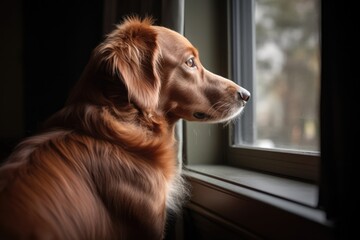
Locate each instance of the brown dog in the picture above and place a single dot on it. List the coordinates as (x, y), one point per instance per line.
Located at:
(105, 166)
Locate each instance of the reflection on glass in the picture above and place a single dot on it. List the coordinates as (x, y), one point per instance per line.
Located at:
(287, 74)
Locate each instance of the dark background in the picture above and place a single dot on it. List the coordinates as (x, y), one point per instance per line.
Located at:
(44, 47)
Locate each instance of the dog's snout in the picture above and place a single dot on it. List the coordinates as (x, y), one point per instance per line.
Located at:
(244, 94)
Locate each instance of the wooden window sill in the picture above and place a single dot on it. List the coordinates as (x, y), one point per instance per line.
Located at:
(256, 205)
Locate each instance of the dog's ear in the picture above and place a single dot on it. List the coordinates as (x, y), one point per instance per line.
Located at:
(132, 54)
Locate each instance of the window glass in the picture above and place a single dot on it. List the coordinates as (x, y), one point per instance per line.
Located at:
(286, 78)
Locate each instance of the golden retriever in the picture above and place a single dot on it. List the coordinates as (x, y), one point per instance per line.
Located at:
(104, 167)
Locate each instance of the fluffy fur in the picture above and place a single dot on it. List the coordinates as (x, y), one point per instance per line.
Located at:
(104, 167)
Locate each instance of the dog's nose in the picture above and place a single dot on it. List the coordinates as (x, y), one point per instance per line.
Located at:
(244, 94)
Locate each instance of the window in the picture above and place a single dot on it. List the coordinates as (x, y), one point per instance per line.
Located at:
(234, 170)
(275, 46)
(225, 34)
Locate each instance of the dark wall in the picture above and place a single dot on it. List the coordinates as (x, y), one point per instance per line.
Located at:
(11, 74)
(339, 118)
(45, 46)
(58, 39)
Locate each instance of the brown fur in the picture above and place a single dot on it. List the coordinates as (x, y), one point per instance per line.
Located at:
(105, 165)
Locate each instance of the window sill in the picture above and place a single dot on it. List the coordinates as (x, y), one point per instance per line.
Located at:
(291, 190)
(256, 204)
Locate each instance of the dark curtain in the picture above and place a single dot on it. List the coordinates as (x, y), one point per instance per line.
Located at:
(140, 8)
(339, 124)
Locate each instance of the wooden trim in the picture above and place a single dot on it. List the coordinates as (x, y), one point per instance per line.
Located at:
(252, 215)
(289, 164)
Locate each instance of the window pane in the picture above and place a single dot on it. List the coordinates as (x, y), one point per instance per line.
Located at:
(287, 74)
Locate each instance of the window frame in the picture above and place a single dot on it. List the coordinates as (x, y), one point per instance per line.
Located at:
(290, 163)
(239, 189)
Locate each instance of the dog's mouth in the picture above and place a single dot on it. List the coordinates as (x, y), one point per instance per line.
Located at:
(220, 116)
(201, 115)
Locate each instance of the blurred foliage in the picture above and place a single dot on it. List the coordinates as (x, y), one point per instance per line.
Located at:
(287, 73)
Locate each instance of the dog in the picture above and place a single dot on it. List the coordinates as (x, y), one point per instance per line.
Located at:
(104, 166)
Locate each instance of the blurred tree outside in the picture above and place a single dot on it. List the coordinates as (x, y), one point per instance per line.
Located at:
(287, 74)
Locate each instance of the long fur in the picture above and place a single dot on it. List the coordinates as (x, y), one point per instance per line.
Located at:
(104, 167)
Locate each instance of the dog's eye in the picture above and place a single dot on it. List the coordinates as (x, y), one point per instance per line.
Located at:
(191, 62)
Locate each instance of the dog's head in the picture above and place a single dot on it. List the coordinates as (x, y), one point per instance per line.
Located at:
(162, 73)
